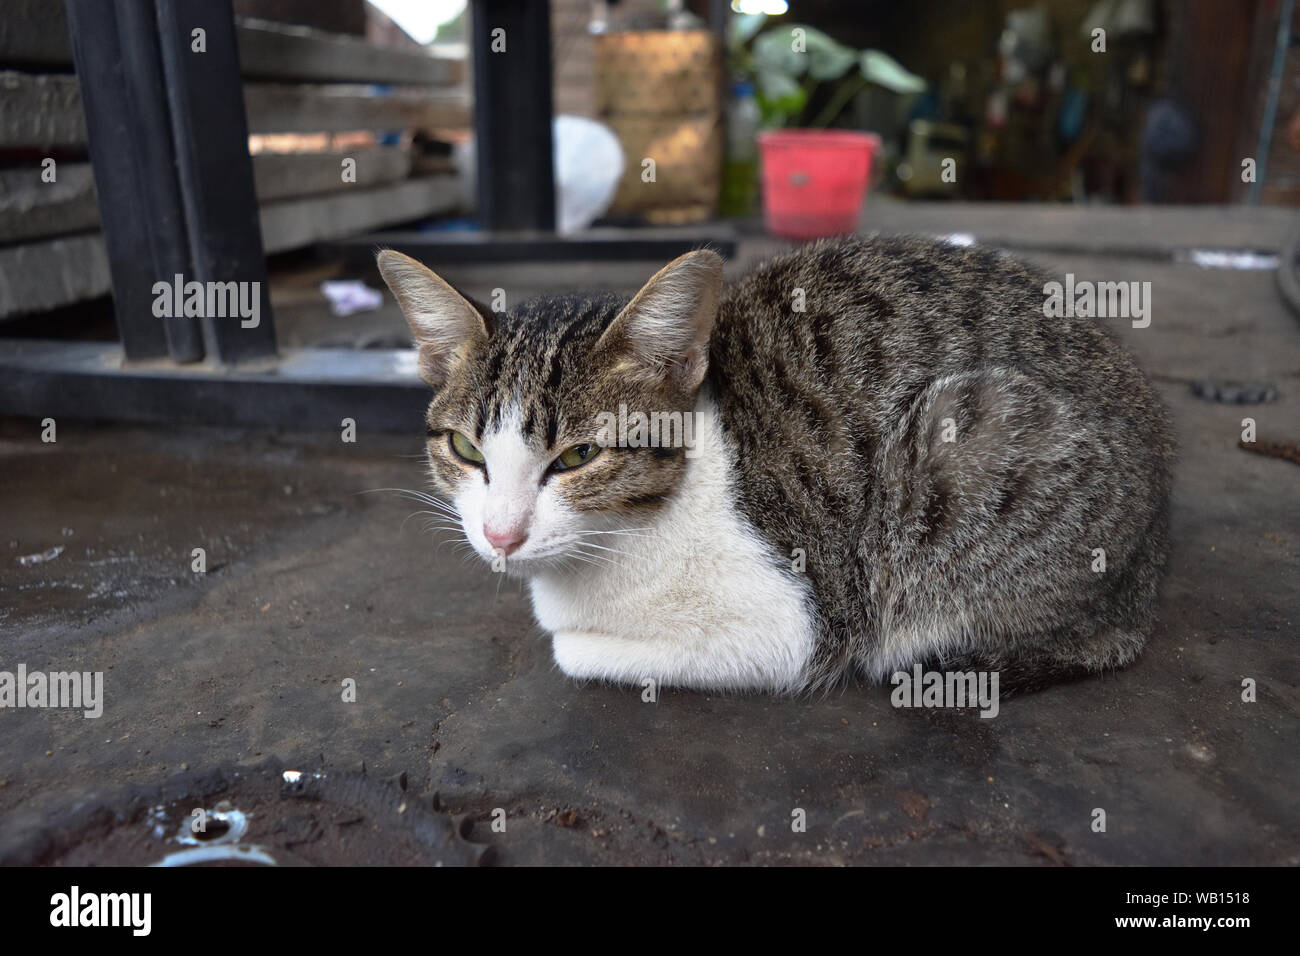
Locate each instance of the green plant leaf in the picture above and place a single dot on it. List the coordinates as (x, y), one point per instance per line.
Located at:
(883, 69)
(827, 59)
(781, 92)
(742, 27)
(774, 54)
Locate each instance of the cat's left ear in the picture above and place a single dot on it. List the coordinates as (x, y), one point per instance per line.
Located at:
(663, 333)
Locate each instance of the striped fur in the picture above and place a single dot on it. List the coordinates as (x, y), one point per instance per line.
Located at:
(830, 433)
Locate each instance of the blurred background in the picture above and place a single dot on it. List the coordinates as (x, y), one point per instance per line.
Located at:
(536, 146)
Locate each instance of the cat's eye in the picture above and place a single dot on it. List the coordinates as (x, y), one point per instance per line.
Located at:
(575, 456)
(464, 449)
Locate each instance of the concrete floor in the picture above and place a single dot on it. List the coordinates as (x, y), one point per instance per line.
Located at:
(311, 581)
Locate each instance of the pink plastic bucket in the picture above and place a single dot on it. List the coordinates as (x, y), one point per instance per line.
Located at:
(815, 180)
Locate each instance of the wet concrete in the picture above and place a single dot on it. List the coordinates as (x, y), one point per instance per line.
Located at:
(311, 581)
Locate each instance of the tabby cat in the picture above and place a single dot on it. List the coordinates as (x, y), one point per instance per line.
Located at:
(888, 456)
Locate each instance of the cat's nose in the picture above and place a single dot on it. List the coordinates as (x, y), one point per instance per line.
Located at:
(508, 541)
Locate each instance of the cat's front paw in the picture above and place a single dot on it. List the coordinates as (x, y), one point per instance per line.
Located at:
(603, 657)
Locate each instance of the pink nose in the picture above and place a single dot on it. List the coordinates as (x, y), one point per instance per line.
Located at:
(508, 541)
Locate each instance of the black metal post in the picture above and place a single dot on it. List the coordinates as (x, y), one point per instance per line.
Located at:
(115, 48)
(511, 49)
(210, 140)
(169, 145)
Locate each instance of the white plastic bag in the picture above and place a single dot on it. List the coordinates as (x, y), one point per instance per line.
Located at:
(588, 165)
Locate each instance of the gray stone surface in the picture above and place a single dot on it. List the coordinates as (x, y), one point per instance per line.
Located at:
(311, 581)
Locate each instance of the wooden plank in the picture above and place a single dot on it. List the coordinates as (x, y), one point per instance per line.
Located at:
(292, 175)
(286, 108)
(40, 111)
(295, 223)
(280, 52)
(44, 111)
(35, 33)
(36, 276)
(31, 208)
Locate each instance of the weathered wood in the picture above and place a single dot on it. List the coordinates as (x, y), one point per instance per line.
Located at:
(283, 108)
(300, 222)
(40, 111)
(44, 111)
(44, 275)
(278, 52)
(292, 175)
(423, 164)
(31, 208)
(35, 33)
(37, 276)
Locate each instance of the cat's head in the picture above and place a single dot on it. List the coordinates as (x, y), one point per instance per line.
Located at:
(518, 434)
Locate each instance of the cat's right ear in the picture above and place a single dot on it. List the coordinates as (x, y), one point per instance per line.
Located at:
(444, 324)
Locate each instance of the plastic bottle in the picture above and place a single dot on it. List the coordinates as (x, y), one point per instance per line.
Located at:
(740, 167)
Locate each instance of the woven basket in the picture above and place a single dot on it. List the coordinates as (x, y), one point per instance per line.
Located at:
(658, 90)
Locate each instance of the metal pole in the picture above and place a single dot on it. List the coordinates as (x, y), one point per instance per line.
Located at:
(511, 49)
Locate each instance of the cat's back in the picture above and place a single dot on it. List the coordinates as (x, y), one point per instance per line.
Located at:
(841, 335)
(904, 410)
(890, 312)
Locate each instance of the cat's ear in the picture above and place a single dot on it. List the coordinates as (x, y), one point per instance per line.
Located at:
(663, 333)
(445, 325)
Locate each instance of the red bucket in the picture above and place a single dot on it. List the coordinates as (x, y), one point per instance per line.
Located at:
(815, 180)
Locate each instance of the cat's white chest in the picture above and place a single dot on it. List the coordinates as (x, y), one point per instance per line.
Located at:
(699, 601)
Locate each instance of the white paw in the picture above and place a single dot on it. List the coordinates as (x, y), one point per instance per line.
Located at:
(587, 656)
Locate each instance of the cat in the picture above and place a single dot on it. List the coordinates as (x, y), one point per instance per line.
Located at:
(896, 459)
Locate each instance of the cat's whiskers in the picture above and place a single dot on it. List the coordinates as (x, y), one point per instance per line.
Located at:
(629, 532)
(578, 551)
(456, 537)
(437, 515)
(584, 558)
(419, 496)
(626, 554)
(445, 515)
